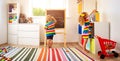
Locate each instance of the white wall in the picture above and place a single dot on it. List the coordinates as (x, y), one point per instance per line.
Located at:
(89, 5)
(109, 10)
(3, 22)
(25, 7)
(72, 22)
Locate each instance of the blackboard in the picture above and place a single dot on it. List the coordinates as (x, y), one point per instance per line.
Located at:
(59, 16)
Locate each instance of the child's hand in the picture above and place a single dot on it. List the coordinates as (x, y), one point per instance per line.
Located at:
(53, 19)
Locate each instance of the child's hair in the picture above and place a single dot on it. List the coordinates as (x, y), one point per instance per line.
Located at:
(50, 18)
(83, 16)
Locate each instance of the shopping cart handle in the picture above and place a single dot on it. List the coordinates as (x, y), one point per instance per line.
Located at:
(97, 36)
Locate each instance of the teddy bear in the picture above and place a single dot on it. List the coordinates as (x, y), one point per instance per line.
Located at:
(29, 20)
(22, 18)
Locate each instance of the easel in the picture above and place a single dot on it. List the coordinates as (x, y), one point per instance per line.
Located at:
(57, 14)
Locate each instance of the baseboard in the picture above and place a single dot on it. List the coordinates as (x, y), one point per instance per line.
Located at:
(20, 45)
(3, 44)
(41, 44)
(61, 43)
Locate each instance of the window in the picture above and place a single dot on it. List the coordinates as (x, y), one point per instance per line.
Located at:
(39, 6)
(38, 12)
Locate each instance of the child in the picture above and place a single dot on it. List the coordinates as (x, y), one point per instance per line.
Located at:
(50, 29)
(85, 23)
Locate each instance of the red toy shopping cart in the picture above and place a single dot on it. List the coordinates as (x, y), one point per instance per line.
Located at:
(107, 47)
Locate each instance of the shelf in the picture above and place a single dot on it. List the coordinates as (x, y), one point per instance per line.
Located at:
(12, 23)
(12, 12)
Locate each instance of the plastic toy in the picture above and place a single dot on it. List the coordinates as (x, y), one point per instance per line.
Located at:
(106, 47)
(0, 50)
(22, 18)
(4, 50)
(29, 20)
(5, 59)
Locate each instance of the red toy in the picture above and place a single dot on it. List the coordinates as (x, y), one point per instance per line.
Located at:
(106, 47)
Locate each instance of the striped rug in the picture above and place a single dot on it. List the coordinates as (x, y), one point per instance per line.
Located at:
(47, 54)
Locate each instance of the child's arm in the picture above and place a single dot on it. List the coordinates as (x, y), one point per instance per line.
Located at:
(93, 12)
(46, 25)
(54, 19)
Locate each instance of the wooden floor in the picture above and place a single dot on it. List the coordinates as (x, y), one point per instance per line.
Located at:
(59, 45)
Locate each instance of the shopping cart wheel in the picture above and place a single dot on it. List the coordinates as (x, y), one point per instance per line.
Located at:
(102, 56)
(113, 52)
(116, 55)
(99, 52)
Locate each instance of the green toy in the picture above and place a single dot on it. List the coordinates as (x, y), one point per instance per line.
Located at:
(3, 60)
(0, 51)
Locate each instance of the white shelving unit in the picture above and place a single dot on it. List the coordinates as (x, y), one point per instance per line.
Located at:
(13, 13)
(13, 16)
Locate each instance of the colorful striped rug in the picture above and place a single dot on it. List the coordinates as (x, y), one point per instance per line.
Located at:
(47, 54)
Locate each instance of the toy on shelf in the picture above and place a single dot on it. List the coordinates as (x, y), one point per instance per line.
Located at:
(13, 13)
(13, 8)
(106, 47)
(29, 20)
(12, 18)
(24, 19)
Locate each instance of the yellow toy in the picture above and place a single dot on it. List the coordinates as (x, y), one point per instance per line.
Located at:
(94, 16)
